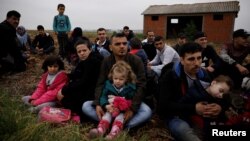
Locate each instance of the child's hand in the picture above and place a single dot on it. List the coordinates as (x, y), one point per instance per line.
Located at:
(59, 95)
(110, 108)
(128, 115)
(99, 111)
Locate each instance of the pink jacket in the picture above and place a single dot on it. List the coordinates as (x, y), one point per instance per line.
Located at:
(45, 93)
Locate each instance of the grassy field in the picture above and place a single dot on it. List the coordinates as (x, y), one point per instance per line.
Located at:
(90, 34)
(17, 124)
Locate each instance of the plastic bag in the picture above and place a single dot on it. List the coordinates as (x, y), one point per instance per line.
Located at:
(54, 115)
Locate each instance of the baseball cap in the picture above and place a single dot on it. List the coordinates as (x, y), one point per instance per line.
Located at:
(199, 34)
(241, 33)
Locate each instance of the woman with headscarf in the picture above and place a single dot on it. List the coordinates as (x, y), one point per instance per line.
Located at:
(24, 41)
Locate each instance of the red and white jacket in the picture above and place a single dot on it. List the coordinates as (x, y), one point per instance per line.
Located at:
(44, 93)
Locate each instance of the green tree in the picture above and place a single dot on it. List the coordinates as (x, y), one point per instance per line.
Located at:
(190, 30)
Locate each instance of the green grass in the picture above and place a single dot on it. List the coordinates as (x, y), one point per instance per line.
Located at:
(17, 124)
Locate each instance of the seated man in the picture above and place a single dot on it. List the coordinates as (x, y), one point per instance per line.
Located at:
(128, 33)
(165, 54)
(148, 45)
(139, 112)
(211, 61)
(11, 59)
(136, 49)
(234, 54)
(102, 43)
(174, 82)
(43, 42)
(182, 39)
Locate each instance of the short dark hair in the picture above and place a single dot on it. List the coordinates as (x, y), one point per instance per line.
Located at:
(117, 35)
(101, 29)
(149, 31)
(77, 32)
(13, 13)
(125, 27)
(135, 43)
(190, 47)
(158, 38)
(40, 27)
(60, 5)
(84, 41)
(182, 35)
(51, 60)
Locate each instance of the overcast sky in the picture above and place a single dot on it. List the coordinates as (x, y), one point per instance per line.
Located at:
(92, 14)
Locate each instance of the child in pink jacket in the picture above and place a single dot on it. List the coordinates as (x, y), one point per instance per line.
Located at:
(53, 79)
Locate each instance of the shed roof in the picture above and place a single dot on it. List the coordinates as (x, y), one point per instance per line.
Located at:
(212, 7)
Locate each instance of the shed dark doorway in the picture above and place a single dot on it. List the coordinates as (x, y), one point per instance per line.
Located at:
(176, 24)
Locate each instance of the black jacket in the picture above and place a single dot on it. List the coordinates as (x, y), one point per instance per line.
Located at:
(82, 82)
(9, 46)
(172, 87)
(43, 41)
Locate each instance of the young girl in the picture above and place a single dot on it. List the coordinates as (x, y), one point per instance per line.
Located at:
(53, 79)
(121, 85)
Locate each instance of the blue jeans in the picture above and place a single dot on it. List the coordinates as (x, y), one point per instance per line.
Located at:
(143, 114)
(181, 130)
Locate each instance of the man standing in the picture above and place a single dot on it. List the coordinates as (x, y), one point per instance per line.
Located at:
(11, 59)
(139, 112)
